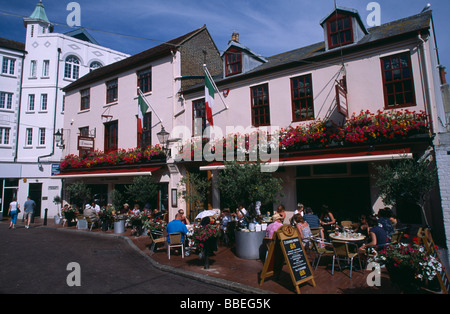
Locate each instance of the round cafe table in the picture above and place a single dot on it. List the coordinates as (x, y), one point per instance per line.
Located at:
(341, 237)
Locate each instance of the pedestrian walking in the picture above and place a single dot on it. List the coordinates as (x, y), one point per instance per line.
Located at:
(28, 208)
(13, 212)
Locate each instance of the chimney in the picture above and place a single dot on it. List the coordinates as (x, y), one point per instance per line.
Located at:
(235, 37)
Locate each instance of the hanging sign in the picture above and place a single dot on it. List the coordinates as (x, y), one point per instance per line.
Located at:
(287, 246)
(85, 143)
(341, 100)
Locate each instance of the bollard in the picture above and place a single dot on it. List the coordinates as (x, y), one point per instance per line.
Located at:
(45, 216)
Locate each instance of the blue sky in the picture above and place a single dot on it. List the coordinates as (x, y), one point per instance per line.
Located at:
(267, 27)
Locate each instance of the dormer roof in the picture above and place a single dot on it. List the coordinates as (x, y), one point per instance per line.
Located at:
(346, 11)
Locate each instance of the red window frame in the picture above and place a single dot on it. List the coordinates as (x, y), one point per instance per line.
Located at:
(398, 81)
(144, 80)
(145, 139)
(112, 91)
(260, 105)
(302, 98)
(111, 136)
(233, 62)
(339, 30)
(198, 112)
(85, 99)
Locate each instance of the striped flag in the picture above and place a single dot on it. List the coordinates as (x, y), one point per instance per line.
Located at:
(141, 112)
(209, 99)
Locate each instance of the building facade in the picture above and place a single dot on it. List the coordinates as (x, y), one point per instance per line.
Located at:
(103, 108)
(311, 100)
(50, 62)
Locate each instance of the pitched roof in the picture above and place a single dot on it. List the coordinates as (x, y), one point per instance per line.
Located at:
(82, 34)
(12, 44)
(296, 57)
(134, 61)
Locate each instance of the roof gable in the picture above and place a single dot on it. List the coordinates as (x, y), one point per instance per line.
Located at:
(82, 34)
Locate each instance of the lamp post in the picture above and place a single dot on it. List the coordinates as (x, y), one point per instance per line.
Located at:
(163, 137)
(59, 140)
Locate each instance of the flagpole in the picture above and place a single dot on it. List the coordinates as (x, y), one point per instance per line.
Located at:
(214, 85)
(153, 110)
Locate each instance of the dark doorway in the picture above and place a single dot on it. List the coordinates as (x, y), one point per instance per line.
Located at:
(99, 193)
(347, 198)
(35, 193)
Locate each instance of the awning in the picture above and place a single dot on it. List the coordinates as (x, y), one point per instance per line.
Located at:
(330, 159)
(101, 173)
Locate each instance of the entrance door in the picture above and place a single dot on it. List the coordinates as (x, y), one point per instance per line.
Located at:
(347, 198)
(35, 193)
(163, 197)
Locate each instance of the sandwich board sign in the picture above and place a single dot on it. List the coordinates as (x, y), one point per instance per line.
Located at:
(286, 246)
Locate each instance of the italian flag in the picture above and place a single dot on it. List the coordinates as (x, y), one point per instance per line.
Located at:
(141, 112)
(209, 99)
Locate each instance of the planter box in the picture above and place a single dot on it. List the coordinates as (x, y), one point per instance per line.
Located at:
(119, 226)
(249, 244)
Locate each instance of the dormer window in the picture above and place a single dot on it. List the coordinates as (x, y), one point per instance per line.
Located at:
(233, 62)
(340, 31)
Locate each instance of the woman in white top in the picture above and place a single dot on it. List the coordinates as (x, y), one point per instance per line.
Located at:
(13, 211)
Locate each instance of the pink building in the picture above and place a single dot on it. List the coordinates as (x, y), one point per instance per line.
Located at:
(308, 98)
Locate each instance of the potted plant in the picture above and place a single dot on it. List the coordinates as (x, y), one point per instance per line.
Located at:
(69, 213)
(154, 225)
(410, 267)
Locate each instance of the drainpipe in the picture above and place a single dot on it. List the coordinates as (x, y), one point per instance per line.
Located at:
(425, 81)
(20, 106)
(54, 116)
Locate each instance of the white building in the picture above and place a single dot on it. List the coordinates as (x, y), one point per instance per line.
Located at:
(52, 61)
(11, 58)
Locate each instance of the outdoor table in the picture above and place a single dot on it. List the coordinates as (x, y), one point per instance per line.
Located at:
(349, 238)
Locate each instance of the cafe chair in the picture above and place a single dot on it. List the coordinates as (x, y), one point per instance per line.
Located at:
(342, 252)
(320, 247)
(157, 237)
(175, 241)
(347, 223)
(396, 237)
(316, 232)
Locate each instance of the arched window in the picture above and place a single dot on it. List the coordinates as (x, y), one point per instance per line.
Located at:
(72, 68)
(94, 65)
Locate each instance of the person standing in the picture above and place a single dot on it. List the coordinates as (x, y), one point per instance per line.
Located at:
(28, 208)
(13, 211)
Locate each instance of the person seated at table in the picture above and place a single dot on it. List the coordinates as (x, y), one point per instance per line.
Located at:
(303, 229)
(90, 213)
(281, 211)
(377, 235)
(362, 227)
(327, 219)
(313, 221)
(383, 220)
(277, 222)
(242, 215)
(157, 214)
(175, 226)
(184, 219)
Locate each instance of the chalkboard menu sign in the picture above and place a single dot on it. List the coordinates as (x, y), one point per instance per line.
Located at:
(296, 258)
(286, 246)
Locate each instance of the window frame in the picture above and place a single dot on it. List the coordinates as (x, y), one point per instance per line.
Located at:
(33, 68)
(265, 105)
(112, 91)
(401, 81)
(85, 99)
(5, 135)
(44, 102)
(29, 137)
(300, 99)
(46, 68)
(335, 19)
(145, 139)
(144, 79)
(237, 61)
(111, 139)
(198, 107)
(41, 136)
(31, 102)
(72, 67)
(6, 100)
(8, 66)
